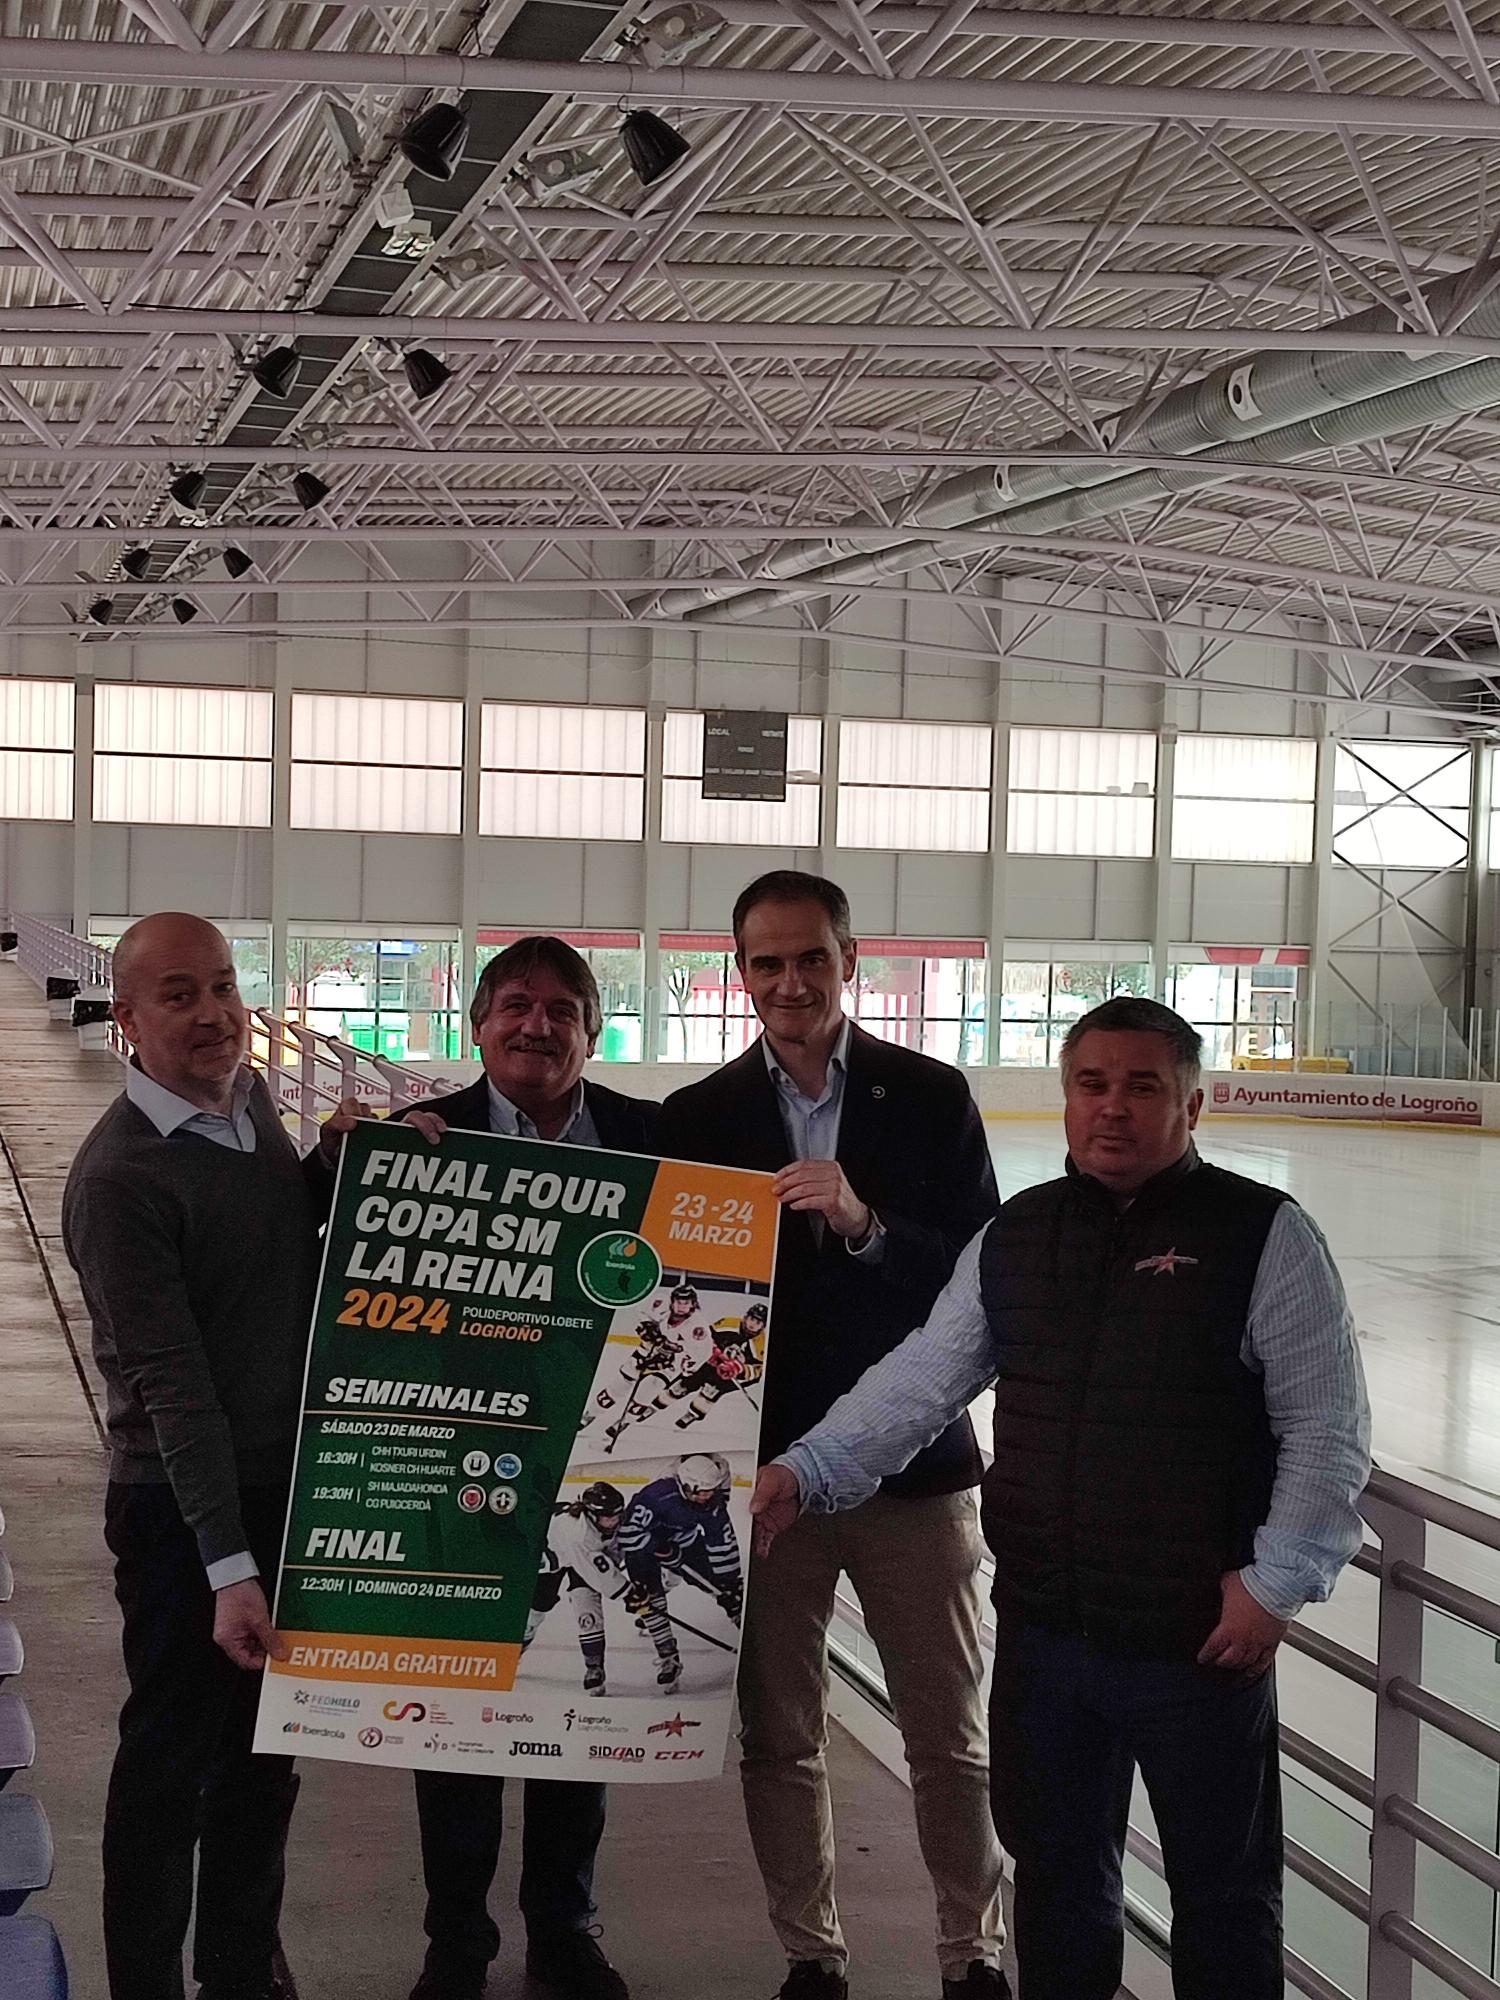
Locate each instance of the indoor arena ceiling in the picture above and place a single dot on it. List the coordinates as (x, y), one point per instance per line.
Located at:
(919, 309)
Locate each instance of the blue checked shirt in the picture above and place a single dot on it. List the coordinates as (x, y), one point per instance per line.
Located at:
(1299, 1338)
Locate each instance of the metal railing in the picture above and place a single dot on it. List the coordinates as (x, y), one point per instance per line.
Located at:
(308, 1073)
(1390, 1793)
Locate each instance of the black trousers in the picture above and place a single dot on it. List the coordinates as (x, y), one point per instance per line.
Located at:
(1069, 1724)
(462, 1818)
(183, 1776)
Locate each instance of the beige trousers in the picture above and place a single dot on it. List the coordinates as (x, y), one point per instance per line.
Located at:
(914, 1564)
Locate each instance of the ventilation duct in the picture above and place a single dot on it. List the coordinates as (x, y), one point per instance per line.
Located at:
(1283, 403)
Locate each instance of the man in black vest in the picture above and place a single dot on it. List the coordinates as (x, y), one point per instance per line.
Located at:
(883, 1175)
(1181, 1436)
(536, 1016)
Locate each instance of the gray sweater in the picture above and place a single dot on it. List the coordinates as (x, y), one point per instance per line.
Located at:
(198, 1266)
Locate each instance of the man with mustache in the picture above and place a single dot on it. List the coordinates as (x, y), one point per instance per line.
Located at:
(193, 1229)
(536, 1016)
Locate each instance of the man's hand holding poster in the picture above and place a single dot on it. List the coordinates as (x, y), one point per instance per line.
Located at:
(519, 1525)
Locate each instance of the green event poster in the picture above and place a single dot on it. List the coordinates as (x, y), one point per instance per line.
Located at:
(519, 1524)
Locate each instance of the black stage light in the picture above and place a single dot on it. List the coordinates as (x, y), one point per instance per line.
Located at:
(310, 490)
(425, 373)
(184, 610)
(135, 562)
(651, 145)
(434, 141)
(276, 372)
(100, 609)
(237, 562)
(187, 490)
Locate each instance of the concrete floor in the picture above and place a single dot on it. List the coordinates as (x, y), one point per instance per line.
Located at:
(678, 1887)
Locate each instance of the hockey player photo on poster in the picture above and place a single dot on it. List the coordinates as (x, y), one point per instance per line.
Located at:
(693, 1359)
(641, 1595)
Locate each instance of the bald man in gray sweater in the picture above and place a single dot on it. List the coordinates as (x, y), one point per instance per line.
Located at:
(193, 1228)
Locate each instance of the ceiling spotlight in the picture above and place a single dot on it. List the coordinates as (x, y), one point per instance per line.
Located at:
(310, 490)
(342, 128)
(277, 371)
(135, 562)
(562, 172)
(184, 610)
(425, 373)
(434, 141)
(100, 609)
(651, 145)
(187, 490)
(678, 32)
(237, 562)
(457, 270)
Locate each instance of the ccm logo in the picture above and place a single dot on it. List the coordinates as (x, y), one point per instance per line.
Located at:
(677, 1756)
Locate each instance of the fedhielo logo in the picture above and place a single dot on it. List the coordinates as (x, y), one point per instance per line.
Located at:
(404, 1711)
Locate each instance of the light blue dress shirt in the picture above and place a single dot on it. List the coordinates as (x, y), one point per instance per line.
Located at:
(509, 1122)
(812, 1128)
(1299, 1338)
(171, 1114)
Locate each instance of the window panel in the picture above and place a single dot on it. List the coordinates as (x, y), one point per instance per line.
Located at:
(924, 996)
(181, 791)
(376, 764)
(376, 729)
(36, 784)
(364, 798)
(1077, 791)
(36, 742)
(562, 773)
(182, 721)
(1043, 998)
(914, 785)
(36, 715)
(1244, 798)
(687, 815)
(1401, 805)
(180, 756)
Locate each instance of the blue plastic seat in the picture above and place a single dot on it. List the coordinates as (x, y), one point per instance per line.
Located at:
(25, 1850)
(12, 1652)
(7, 1578)
(32, 1966)
(17, 1738)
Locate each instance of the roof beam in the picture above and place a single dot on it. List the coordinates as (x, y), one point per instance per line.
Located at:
(27, 58)
(51, 325)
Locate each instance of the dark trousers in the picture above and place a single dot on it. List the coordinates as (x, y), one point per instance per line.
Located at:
(1068, 1725)
(461, 1818)
(183, 1774)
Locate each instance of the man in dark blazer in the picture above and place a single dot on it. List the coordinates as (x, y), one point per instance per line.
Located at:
(536, 1016)
(883, 1173)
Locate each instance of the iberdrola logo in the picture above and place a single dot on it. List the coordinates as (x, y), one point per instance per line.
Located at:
(618, 1268)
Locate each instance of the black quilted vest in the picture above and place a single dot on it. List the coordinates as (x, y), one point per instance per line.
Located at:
(1133, 1458)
